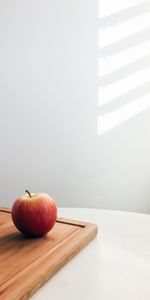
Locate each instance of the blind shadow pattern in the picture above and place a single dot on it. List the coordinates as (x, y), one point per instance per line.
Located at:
(123, 65)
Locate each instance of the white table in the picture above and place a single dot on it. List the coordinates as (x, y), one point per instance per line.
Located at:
(114, 266)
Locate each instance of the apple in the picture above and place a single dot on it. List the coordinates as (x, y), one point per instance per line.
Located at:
(34, 214)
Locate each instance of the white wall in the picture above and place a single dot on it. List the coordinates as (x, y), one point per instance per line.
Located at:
(48, 112)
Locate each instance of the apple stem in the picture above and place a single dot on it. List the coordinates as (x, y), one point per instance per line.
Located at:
(28, 193)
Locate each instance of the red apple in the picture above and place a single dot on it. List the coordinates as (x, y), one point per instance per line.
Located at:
(34, 214)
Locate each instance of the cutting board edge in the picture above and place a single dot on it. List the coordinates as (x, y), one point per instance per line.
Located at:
(66, 260)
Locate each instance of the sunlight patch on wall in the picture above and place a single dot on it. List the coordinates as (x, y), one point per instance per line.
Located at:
(123, 62)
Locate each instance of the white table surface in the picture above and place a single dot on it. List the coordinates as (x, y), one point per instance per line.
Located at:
(114, 266)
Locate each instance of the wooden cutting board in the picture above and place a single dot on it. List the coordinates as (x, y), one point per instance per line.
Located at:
(27, 263)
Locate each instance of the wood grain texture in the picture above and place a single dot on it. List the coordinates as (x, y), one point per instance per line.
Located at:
(27, 263)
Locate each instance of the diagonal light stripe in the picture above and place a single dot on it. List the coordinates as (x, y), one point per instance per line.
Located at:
(138, 92)
(133, 40)
(121, 31)
(111, 64)
(109, 93)
(122, 114)
(125, 71)
(107, 8)
(124, 15)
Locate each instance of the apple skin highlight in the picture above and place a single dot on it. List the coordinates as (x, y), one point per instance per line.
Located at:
(34, 215)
